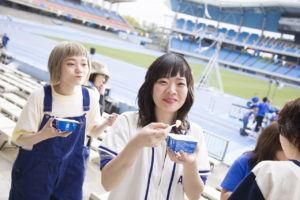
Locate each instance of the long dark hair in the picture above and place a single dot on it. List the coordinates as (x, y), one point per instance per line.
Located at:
(266, 146)
(167, 65)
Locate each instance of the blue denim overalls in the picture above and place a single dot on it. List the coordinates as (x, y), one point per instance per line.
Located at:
(54, 168)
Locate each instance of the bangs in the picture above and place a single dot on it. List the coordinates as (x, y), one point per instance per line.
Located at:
(74, 49)
(171, 66)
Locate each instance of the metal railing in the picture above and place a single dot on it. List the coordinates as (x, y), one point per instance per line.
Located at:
(216, 145)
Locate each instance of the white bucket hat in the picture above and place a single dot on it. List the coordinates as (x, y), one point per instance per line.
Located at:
(100, 68)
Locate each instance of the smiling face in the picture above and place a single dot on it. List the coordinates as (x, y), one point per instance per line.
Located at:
(169, 94)
(74, 71)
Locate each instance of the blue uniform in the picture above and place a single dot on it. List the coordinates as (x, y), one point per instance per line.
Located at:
(237, 172)
(55, 167)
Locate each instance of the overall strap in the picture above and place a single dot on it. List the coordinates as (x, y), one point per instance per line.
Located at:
(47, 98)
(86, 98)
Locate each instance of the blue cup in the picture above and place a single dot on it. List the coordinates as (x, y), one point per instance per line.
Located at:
(181, 142)
(64, 124)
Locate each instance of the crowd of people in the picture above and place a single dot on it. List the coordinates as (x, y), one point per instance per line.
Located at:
(261, 114)
(135, 160)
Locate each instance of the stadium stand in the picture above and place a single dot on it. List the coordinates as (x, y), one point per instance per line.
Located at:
(85, 13)
(237, 43)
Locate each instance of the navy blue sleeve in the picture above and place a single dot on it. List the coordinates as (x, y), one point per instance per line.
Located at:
(104, 159)
(247, 190)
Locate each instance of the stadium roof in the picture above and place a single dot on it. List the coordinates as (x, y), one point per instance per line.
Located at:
(258, 14)
(119, 1)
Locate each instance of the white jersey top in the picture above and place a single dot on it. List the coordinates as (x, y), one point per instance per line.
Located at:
(270, 180)
(62, 106)
(153, 175)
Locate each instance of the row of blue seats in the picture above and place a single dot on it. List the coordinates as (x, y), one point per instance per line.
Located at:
(90, 9)
(232, 56)
(231, 34)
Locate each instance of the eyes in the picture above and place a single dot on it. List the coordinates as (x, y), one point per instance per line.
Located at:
(75, 60)
(73, 63)
(178, 81)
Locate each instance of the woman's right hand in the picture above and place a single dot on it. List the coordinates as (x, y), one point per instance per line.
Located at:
(153, 134)
(50, 132)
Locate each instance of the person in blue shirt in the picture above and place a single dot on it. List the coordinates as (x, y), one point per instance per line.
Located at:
(5, 39)
(255, 100)
(246, 121)
(272, 179)
(267, 148)
(263, 108)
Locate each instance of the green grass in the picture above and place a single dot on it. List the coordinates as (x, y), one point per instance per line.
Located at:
(233, 83)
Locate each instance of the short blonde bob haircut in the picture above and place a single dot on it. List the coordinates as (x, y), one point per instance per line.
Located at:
(59, 53)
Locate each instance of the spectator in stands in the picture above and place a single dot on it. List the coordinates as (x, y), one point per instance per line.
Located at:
(246, 121)
(273, 179)
(5, 39)
(51, 163)
(254, 101)
(267, 148)
(98, 78)
(263, 108)
(134, 159)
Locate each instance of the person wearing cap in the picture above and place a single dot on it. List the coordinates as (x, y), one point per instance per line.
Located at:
(98, 78)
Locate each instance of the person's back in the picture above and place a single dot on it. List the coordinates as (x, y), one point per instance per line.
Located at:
(263, 107)
(267, 148)
(277, 180)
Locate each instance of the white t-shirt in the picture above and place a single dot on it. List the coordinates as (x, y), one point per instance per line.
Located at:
(134, 185)
(270, 180)
(62, 106)
(278, 179)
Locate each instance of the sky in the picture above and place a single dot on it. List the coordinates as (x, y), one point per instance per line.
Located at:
(150, 11)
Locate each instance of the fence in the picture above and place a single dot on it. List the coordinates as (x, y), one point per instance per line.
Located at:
(238, 111)
(216, 145)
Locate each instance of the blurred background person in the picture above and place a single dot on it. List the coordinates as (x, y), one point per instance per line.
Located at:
(263, 108)
(277, 180)
(246, 118)
(98, 78)
(5, 39)
(267, 148)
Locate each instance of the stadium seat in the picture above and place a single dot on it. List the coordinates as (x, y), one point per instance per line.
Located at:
(231, 34)
(294, 73)
(180, 23)
(223, 54)
(232, 56)
(260, 65)
(241, 37)
(200, 26)
(252, 38)
(283, 70)
(194, 47)
(175, 43)
(280, 48)
(243, 58)
(291, 50)
(271, 67)
(185, 46)
(190, 25)
(251, 61)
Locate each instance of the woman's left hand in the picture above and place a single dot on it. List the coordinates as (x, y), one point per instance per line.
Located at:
(182, 157)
